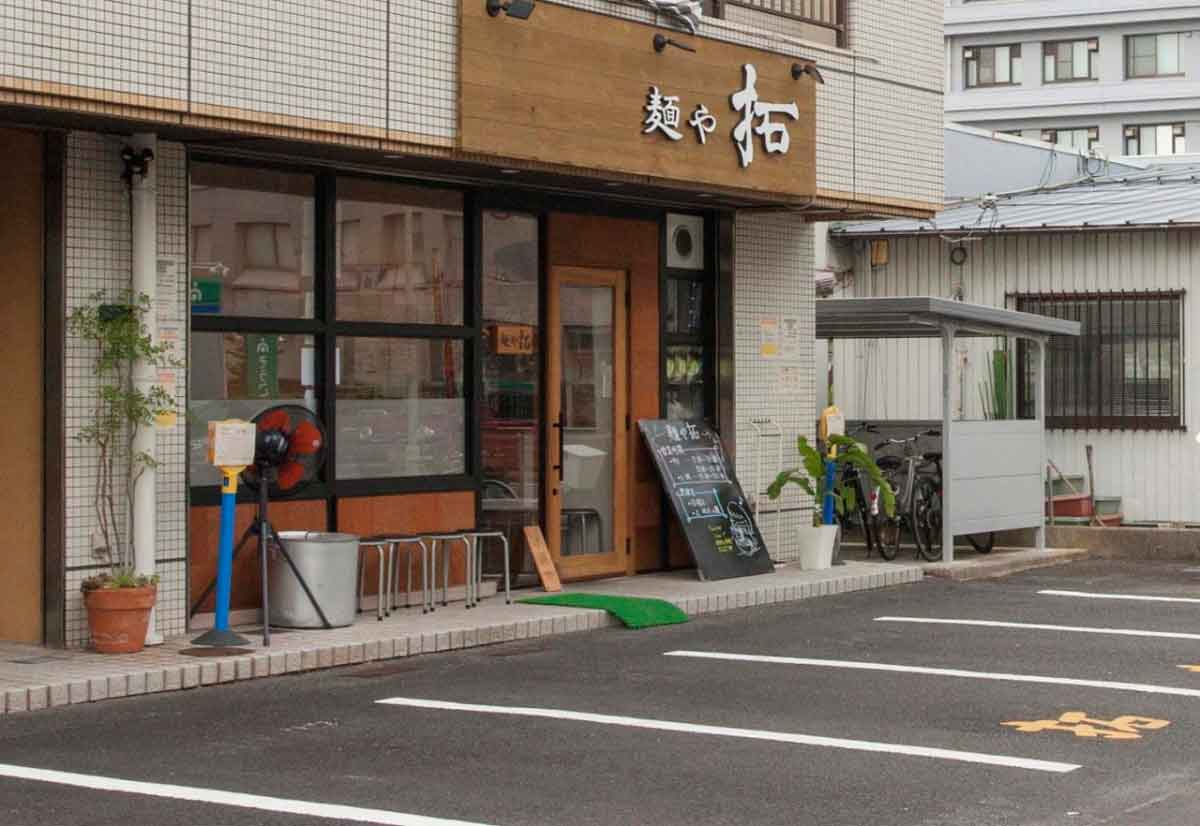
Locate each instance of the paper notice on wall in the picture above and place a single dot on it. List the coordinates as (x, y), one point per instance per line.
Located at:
(790, 379)
(768, 332)
(168, 307)
(790, 337)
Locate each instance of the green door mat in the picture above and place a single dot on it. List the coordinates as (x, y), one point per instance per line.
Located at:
(634, 612)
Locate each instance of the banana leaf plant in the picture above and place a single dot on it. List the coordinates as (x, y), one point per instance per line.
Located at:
(810, 476)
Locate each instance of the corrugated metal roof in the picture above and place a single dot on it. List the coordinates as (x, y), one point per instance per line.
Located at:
(1161, 196)
(923, 317)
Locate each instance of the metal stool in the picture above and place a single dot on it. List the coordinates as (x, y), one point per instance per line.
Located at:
(476, 536)
(409, 544)
(382, 546)
(434, 541)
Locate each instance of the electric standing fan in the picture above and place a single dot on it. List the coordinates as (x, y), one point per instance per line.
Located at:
(289, 451)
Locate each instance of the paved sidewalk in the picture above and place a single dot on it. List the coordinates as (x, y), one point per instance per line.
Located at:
(33, 678)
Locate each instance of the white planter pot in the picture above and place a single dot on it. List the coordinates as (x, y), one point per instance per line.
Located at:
(816, 547)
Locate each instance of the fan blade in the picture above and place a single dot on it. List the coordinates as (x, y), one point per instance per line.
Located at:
(305, 441)
(275, 420)
(290, 475)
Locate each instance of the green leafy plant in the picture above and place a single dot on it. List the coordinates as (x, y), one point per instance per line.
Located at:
(994, 388)
(119, 578)
(115, 326)
(810, 476)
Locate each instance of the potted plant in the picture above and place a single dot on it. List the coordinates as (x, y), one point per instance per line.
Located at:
(119, 601)
(817, 541)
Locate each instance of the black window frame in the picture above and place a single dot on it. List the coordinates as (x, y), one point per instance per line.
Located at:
(1051, 135)
(1093, 60)
(971, 54)
(1129, 56)
(325, 329)
(1178, 130)
(1098, 412)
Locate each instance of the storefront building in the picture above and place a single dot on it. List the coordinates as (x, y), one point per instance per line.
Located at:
(480, 247)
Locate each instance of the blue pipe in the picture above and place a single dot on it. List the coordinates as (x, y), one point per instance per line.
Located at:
(827, 514)
(225, 553)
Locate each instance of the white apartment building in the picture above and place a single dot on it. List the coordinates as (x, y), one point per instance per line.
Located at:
(1118, 76)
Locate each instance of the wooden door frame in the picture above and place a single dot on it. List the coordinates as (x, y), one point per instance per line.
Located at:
(619, 560)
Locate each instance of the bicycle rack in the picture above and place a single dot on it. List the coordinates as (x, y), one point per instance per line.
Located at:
(761, 425)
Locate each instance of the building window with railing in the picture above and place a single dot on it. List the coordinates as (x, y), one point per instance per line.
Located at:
(992, 65)
(1123, 372)
(1154, 55)
(1156, 139)
(1068, 60)
(1076, 137)
(822, 21)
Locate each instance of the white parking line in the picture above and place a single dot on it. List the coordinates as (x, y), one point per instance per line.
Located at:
(1143, 688)
(192, 794)
(1130, 597)
(1033, 626)
(745, 733)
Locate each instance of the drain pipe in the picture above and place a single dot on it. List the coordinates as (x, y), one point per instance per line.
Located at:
(143, 187)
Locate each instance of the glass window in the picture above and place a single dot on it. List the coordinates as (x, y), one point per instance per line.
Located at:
(252, 242)
(1082, 137)
(237, 375)
(992, 65)
(400, 408)
(1156, 139)
(399, 253)
(1153, 55)
(511, 372)
(1071, 60)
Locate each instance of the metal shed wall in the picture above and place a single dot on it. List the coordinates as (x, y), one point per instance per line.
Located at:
(1157, 473)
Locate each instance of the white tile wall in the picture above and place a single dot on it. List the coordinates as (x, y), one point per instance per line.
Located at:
(773, 282)
(98, 257)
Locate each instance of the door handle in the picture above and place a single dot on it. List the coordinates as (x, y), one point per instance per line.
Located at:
(560, 425)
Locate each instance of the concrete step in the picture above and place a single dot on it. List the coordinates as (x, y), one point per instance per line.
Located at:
(1002, 563)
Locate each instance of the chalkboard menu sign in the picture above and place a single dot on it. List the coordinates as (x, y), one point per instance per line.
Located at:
(707, 499)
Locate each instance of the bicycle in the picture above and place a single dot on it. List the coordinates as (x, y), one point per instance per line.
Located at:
(866, 505)
(903, 473)
(931, 483)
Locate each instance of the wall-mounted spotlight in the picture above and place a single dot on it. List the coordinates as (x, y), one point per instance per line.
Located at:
(136, 162)
(809, 68)
(661, 42)
(519, 9)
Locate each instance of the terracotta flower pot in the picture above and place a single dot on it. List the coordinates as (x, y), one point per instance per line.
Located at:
(118, 618)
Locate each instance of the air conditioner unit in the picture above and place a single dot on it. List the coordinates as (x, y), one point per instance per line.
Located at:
(685, 241)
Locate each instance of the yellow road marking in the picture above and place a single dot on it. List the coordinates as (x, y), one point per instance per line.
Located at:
(1126, 727)
(1193, 668)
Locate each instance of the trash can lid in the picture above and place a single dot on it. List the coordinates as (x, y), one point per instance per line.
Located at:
(316, 536)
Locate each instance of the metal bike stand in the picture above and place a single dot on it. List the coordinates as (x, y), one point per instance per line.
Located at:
(478, 552)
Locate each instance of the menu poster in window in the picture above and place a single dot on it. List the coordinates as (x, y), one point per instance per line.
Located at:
(707, 499)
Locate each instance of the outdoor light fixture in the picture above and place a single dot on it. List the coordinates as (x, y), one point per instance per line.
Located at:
(135, 162)
(809, 68)
(661, 42)
(520, 9)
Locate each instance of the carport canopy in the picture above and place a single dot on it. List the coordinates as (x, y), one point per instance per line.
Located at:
(993, 471)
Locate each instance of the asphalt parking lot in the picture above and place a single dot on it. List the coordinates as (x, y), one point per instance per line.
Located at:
(1061, 696)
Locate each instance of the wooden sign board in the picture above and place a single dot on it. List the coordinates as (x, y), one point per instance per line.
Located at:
(547, 573)
(578, 88)
(512, 339)
(707, 499)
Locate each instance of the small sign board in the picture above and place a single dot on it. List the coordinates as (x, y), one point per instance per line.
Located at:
(547, 573)
(512, 339)
(707, 499)
(206, 296)
(231, 443)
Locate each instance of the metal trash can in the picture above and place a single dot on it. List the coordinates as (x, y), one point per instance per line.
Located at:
(328, 562)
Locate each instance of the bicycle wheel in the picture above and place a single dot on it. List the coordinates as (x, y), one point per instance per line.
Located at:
(928, 516)
(982, 542)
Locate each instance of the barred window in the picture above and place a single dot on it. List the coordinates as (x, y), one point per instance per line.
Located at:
(1124, 371)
